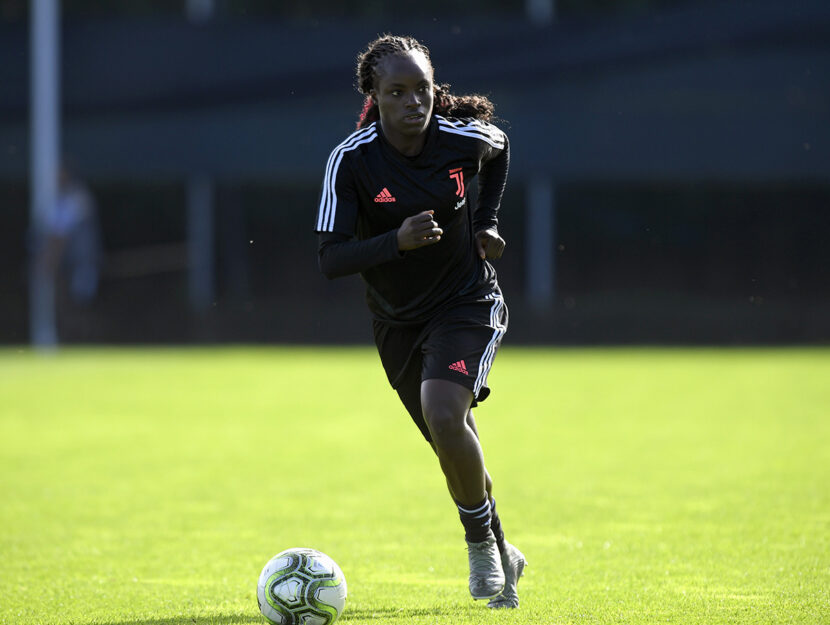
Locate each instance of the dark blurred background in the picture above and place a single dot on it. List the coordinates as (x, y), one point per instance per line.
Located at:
(670, 176)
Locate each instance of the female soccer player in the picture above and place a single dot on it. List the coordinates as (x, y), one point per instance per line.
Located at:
(394, 207)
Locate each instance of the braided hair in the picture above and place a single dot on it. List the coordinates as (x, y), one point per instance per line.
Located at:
(445, 103)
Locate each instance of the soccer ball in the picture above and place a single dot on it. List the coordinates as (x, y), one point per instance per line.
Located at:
(301, 587)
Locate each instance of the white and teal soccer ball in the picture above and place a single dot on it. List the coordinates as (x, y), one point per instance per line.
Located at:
(301, 587)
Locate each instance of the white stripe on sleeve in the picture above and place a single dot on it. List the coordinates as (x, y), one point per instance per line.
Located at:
(474, 129)
(328, 199)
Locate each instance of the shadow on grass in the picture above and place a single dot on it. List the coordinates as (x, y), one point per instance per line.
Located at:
(399, 613)
(222, 619)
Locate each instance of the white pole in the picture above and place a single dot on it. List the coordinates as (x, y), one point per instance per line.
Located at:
(43, 171)
(199, 10)
(200, 226)
(541, 12)
(200, 241)
(539, 233)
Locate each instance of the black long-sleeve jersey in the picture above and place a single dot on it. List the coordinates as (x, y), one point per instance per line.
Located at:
(370, 188)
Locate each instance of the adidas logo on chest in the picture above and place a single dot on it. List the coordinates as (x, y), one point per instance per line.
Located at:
(385, 196)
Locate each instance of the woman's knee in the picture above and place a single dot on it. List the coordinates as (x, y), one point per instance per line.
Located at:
(445, 406)
(443, 423)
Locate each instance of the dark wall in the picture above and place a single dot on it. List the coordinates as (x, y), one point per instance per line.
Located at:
(678, 263)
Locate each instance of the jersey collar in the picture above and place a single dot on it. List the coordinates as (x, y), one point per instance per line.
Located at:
(423, 157)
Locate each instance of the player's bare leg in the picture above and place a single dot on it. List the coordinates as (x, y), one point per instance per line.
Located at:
(488, 481)
(446, 406)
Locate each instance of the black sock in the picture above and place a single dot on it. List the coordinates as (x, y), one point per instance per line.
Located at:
(495, 525)
(476, 521)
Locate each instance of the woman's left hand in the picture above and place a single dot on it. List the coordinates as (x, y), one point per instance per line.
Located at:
(489, 244)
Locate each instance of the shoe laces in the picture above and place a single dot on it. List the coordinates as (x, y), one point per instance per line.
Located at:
(480, 554)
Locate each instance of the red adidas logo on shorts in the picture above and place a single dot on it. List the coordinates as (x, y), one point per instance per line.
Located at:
(459, 366)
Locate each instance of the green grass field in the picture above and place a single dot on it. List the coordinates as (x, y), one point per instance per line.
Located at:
(144, 487)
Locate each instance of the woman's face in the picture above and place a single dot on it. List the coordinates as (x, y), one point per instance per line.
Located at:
(403, 92)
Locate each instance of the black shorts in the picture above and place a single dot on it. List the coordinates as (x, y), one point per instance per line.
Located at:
(459, 344)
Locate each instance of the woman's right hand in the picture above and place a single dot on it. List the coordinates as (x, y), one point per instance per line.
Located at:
(418, 231)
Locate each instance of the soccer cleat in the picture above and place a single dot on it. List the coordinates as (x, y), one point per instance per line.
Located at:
(486, 574)
(514, 564)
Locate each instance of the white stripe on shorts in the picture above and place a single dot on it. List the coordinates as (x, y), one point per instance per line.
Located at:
(489, 354)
